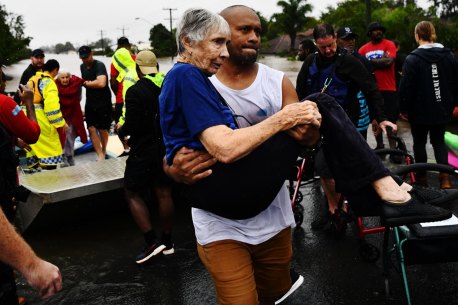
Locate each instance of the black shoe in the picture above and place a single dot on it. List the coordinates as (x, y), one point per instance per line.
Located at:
(296, 282)
(124, 153)
(415, 210)
(149, 252)
(436, 196)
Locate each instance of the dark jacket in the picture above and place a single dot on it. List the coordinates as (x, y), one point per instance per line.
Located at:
(142, 119)
(428, 85)
(350, 70)
(26, 75)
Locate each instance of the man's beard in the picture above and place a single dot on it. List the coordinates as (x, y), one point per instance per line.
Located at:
(377, 38)
(245, 58)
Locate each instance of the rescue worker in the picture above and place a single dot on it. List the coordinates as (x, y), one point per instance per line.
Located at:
(47, 151)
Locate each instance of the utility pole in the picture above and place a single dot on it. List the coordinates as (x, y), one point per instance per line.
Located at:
(123, 29)
(101, 41)
(171, 33)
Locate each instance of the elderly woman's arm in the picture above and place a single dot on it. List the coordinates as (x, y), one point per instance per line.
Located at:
(228, 145)
(307, 135)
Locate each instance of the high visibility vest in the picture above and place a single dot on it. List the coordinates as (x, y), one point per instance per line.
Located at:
(157, 79)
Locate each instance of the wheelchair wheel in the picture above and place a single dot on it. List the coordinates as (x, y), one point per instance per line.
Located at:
(299, 198)
(298, 212)
(369, 253)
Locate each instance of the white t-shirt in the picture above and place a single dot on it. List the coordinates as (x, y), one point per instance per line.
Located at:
(255, 103)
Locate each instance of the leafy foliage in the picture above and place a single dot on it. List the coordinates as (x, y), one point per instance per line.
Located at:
(398, 17)
(293, 18)
(13, 43)
(162, 41)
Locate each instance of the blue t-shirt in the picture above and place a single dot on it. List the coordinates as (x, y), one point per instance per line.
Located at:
(189, 104)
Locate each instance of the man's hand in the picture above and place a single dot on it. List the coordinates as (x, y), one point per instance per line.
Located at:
(45, 277)
(25, 93)
(387, 124)
(21, 144)
(189, 165)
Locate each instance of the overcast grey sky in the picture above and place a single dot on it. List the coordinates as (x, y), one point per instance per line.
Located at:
(84, 21)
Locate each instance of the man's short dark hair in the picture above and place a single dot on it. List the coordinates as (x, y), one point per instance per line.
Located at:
(323, 30)
(51, 65)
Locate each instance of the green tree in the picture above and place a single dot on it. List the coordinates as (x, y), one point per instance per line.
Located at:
(448, 8)
(63, 48)
(162, 41)
(293, 18)
(13, 43)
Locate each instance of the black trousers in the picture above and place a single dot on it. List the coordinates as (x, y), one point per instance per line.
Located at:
(436, 137)
(351, 161)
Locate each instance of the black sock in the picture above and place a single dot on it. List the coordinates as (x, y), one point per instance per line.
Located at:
(150, 237)
(166, 238)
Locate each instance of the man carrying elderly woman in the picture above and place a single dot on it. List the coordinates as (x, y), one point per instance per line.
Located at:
(232, 129)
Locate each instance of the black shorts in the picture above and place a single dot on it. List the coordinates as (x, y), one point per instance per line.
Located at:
(391, 105)
(98, 116)
(143, 172)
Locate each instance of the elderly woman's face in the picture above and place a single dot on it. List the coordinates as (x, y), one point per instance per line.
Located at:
(64, 79)
(209, 53)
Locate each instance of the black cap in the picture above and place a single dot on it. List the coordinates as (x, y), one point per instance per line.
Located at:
(122, 41)
(37, 53)
(375, 26)
(84, 51)
(346, 32)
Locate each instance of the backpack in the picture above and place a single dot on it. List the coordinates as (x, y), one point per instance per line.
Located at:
(324, 80)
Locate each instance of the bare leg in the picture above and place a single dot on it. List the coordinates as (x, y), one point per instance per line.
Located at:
(166, 208)
(96, 142)
(139, 211)
(104, 141)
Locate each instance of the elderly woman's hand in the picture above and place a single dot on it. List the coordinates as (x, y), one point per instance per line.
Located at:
(305, 113)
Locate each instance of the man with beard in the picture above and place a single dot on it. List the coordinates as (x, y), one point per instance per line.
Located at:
(349, 78)
(37, 62)
(381, 53)
(249, 259)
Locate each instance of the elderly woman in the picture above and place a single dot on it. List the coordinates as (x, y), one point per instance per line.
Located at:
(69, 87)
(194, 115)
(246, 244)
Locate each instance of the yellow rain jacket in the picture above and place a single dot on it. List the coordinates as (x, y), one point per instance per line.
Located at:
(48, 149)
(123, 62)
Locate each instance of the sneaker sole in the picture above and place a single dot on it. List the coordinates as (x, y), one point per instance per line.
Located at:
(154, 253)
(394, 222)
(293, 288)
(168, 251)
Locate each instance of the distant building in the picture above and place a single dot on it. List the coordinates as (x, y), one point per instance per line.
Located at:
(282, 43)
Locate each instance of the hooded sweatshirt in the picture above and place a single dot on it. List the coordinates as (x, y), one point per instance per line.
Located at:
(428, 85)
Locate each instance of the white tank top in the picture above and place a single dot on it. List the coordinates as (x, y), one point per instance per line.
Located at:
(255, 103)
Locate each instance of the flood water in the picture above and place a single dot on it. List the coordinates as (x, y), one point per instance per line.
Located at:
(71, 63)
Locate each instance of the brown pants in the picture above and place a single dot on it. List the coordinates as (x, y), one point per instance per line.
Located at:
(245, 274)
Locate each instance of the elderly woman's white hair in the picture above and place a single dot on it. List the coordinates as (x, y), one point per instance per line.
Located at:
(196, 24)
(64, 72)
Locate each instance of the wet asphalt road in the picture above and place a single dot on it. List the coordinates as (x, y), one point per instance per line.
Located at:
(94, 241)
